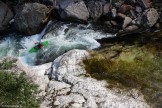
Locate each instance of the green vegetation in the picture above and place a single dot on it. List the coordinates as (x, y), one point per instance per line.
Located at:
(7, 64)
(129, 67)
(16, 90)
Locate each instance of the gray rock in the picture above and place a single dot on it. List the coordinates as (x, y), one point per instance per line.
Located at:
(72, 10)
(133, 14)
(114, 12)
(131, 2)
(131, 28)
(29, 17)
(138, 9)
(121, 15)
(106, 8)
(127, 21)
(114, 23)
(144, 3)
(76, 91)
(95, 9)
(137, 21)
(5, 16)
(152, 17)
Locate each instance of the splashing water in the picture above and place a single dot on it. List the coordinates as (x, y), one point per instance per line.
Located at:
(67, 37)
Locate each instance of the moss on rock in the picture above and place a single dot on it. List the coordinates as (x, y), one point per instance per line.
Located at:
(129, 66)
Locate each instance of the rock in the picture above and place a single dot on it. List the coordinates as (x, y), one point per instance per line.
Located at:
(95, 9)
(133, 13)
(157, 25)
(121, 15)
(74, 10)
(131, 28)
(127, 21)
(125, 8)
(138, 9)
(47, 2)
(152, 17)
(137, 21)
(85, 92)
(118, 5)
(130, 2)
(114, 12)
(106, 8)
(113, 23)
(58, 88)
(54, 26)
(36, 74)
(108, 23)
(5, 16)
(29, 17)
(144, 3)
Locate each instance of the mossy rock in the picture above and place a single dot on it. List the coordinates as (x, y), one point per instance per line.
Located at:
(132, 66)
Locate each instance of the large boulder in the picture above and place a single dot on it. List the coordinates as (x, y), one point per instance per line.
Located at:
(74, 10)
(95, 9)
(29, 17)
(70, 89)
(5, 16)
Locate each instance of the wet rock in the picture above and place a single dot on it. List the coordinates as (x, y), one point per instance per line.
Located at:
(152, 17)
(127, 21)
(29, 17)
(74, 10)
(54, 26)
(5, 16)
(95, 9)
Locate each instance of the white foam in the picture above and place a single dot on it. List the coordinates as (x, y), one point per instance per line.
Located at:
(60, 41)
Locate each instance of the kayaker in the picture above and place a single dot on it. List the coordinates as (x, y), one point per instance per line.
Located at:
(39, 45)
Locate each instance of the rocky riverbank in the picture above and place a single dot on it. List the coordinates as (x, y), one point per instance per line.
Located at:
(129, 16)
(123, 69)
(71, 86)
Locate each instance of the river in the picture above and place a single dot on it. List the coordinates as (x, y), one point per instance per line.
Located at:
(66, 37)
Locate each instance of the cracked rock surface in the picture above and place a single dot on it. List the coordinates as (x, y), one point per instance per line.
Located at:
(69, 88)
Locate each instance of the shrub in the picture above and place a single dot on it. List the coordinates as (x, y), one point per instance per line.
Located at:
(16, 90)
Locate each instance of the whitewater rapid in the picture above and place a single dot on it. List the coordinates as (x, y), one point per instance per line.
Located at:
(65, 38)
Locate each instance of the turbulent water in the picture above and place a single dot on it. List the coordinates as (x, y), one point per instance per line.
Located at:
(65, 38)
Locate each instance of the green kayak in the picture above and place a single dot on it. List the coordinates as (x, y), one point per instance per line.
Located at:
(36, 48)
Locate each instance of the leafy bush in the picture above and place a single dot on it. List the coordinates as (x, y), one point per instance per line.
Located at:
(16, 90)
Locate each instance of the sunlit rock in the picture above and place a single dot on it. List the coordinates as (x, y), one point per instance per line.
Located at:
(84, 91)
